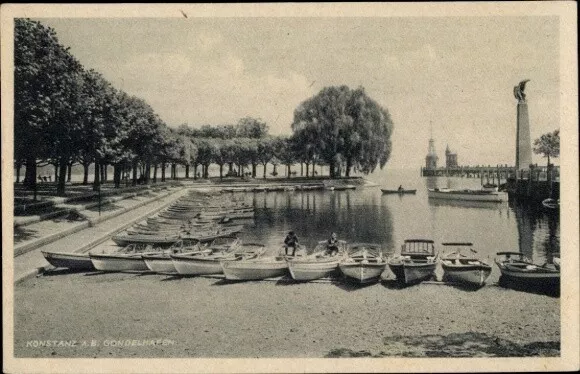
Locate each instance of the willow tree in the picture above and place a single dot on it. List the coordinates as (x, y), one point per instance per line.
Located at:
(346, 125)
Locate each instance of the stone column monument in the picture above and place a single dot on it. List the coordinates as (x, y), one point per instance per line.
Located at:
(523, 142)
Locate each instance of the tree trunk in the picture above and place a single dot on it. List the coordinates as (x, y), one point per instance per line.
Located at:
(69, 172)
(155, 173)
(288, 171)
(134, 167)
(102, 167)
(117, 175)
(18, 166)
(301, 169)
(106, 171)
(187, 171)
(195, 171)
(163, 172)
(222, 169)
(63, 164)
(331, 169)
(86, 173)
(147, 172)
(97, 180)
(55, 173)
(265, 169)
(348, 166)
(254, 165)
(307, 168)
(30, 174)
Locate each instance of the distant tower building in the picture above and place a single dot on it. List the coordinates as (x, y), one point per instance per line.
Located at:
(431, 159)
(450, 158)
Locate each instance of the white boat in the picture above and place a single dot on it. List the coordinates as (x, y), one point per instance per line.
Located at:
(240, 268)
(465, 269)
(416, 262)
(72, 261)
(364, 263)
(160, 261)
(467, 194)
(208, 262)
(550, 203)
(317, 265)
(127, 259)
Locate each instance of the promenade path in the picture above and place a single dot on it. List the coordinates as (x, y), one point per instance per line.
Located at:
(82, 236)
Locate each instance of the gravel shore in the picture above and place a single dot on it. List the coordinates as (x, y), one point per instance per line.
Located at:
(149, 315)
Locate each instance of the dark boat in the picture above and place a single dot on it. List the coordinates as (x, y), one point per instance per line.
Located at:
(72, 261)
(400, 192)
(515, 267)
(416, 262)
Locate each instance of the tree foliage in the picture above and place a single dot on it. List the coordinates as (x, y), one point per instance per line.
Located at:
(345, 128)
(548, 145)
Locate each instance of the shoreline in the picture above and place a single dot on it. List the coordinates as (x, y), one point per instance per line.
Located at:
(207, 317)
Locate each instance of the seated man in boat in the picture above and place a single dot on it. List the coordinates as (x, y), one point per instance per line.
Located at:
(400, 189)
(332, 245)
(291, 241)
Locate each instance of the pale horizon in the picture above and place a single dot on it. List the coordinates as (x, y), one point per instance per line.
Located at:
(456, 72)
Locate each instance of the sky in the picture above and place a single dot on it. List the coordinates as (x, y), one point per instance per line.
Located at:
(456, 73)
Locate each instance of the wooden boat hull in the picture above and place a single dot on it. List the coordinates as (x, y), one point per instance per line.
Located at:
(190, 265)
(253, 269)
(468, 195)
(470, 275)
(160, 263)
(124, 240)
(531, 277)
(310, 270)
(412, 273)
(118, 262)
(403, 192)
(72, 261)
(363, 273)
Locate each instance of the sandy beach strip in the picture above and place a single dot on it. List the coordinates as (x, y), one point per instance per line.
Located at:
(121, 314)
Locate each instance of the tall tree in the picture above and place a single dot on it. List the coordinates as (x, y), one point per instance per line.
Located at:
(548, 145)
(345, 125)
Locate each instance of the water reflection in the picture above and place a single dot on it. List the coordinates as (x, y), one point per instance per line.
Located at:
(538, 231)
(314, 215)
(467, 204)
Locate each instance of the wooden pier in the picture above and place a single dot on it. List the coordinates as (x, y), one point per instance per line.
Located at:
(488, 174)
(535, 183)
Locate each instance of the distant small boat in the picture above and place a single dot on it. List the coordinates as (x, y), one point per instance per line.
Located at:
(490, 187)
(514, 266)
(72, 261)
(416, 262)
(401, 192)
(464, 269)
(551, 203)
(467, 194)
(364, 263)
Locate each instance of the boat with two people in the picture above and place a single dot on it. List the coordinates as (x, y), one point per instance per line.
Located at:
(462, 268)
(321, 263)
(416, 262)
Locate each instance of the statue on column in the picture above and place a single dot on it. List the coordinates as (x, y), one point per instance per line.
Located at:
(519, 91)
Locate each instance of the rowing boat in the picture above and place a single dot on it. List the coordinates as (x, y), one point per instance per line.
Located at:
(258, 268)
(72, 261)
(316, 265)
(416, 262)
(515, 267)
(364, 263)
(399, 192)
(464, 269)
(126, 259)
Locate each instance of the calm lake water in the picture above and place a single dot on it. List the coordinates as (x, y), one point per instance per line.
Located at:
(365, 215)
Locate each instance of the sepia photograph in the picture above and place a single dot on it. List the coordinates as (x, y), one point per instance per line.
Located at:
(330, 187)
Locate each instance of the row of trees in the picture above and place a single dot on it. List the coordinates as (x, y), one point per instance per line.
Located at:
(67, 115)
